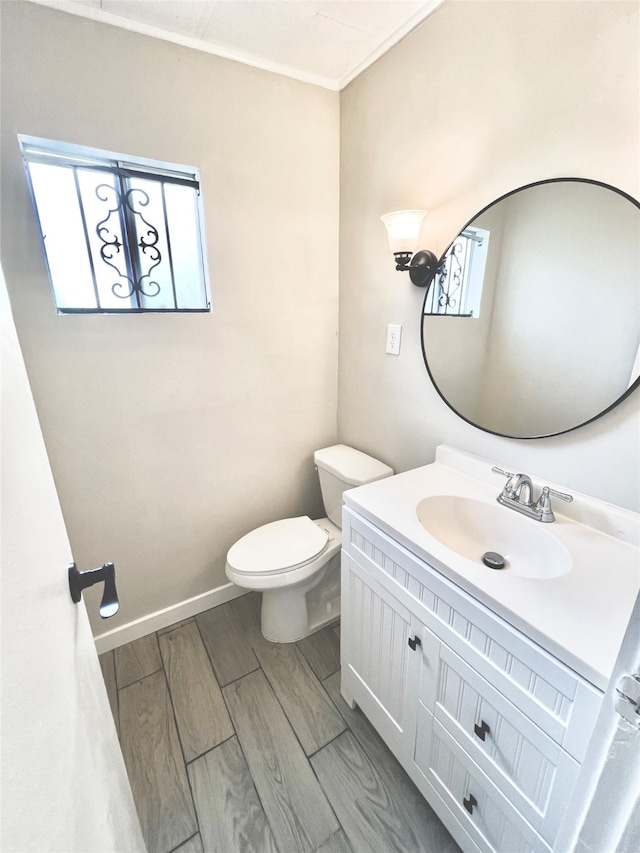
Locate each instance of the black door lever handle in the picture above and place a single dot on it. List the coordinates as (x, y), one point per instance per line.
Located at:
(81, 580)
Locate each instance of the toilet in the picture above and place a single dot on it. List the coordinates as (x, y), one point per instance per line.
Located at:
(295, 562)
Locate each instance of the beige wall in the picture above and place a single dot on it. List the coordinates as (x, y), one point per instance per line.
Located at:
(482, 98)
(171, 435)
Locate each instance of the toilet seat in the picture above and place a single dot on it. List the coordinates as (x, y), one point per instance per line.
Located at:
(278, 547)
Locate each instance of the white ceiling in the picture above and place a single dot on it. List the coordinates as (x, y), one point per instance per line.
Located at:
(326, 42)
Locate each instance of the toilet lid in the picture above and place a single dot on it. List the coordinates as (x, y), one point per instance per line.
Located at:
(278, 546)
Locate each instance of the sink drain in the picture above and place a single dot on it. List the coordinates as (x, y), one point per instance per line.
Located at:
(493, 560)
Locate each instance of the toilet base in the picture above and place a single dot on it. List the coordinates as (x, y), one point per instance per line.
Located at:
(290, 614)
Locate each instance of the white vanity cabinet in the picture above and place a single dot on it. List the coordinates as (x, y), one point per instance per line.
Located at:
(490, 726)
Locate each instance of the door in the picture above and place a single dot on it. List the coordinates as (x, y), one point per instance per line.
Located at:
(604, 813)
(64, 784)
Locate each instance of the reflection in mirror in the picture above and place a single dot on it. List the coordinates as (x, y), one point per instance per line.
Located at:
(457, 289)
(541, 301)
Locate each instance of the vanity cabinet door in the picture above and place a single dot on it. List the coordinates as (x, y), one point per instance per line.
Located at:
(380, 666)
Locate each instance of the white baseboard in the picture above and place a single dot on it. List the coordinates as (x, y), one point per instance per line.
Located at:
(163, 618)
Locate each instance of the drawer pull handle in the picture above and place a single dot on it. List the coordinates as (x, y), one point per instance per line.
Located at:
(470, 803)
(414, 642)
(481, 730)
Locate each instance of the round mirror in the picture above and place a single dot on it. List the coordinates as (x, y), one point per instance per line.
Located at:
(531, 326)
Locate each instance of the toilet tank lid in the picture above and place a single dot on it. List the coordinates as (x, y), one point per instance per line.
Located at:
(350, 465)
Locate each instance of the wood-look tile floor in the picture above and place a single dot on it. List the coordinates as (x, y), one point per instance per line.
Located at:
(234, 744)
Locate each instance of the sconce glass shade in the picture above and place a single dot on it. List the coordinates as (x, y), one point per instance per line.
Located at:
(403, 229)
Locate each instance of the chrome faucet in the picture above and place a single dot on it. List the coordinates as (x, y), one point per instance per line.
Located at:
(518, 488)
(518, 494)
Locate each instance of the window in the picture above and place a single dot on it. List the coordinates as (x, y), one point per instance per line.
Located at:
(457, 288)
(119, 234)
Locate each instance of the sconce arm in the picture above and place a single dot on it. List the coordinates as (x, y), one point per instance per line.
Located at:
(403, 261)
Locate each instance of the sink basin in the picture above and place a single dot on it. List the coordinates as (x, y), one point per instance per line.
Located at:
(472, 528)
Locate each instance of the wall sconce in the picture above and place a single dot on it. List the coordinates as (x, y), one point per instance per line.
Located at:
(403, 230)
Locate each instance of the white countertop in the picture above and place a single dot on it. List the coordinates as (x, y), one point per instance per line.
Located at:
(581, 616)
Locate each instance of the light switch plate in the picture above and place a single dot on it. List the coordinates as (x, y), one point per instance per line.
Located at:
(394, 333)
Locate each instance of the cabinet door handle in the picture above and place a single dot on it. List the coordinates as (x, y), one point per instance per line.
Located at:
(481, 730)
(414, 642)
(470, 803)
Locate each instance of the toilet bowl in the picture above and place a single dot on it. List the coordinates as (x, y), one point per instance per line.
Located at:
(284, 560)
(295, 562)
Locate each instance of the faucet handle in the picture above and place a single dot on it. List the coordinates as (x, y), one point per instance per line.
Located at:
(544, 502)
(562, 495)
(509, 489)
(501, 471)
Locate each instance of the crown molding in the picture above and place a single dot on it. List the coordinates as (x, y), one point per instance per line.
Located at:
(334, 84)
(185, 41)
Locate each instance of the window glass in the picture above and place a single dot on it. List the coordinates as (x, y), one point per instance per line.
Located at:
(186, 251)
(62, 234)
(146, 204)
(100, 203)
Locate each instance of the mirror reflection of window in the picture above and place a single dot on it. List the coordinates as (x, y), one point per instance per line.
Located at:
(457, 288)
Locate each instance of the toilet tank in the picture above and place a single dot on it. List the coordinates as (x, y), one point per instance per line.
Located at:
(341, 468)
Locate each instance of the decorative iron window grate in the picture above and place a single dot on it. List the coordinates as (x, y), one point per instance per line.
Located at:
(457, 288)
(119, 235)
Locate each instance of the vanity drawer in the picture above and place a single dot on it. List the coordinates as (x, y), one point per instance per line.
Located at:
(485, 813)
(554, 697)
(532, 770)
